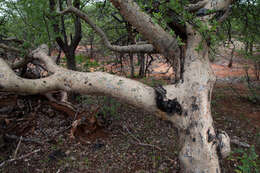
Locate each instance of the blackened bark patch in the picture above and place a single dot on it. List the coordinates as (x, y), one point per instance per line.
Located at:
(1, 87)
(170, 106)
(194, 106)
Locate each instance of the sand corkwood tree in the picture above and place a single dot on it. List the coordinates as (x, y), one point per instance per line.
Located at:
(186, 103)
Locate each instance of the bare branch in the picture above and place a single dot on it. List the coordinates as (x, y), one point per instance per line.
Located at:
(155, 34)
(13, 39)
(19, 158)
(20, 63)
(197, 6)
(148, 48)
(9, 48)
(225, 15)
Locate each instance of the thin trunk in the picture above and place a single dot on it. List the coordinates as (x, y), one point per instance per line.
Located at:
(251, 45)
(148, 63)
(132, 65)
(48, 33)
(257, 69)
(131, 40)
(70, 56)
(142, 65)
(91, 46)
(232, 55)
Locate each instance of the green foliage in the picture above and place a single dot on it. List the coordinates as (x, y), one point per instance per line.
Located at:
(86, 62)
(80, 58)
(248, 159)
(91, 63)
(110, 107)
(27, 20)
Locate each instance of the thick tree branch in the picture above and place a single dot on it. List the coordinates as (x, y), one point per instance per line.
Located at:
(98, 83)
(130, 48)
(77, 25)
(160, 39)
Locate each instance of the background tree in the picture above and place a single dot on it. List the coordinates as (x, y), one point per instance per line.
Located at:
(68, 45)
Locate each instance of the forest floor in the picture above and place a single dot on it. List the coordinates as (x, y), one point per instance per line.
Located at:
(133, 142)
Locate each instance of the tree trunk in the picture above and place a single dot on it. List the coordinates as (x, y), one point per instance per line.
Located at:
(71, 62)
(197, 140)
(91, 45)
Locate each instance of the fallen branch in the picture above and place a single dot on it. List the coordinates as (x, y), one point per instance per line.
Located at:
(19, 158)
(20, 63)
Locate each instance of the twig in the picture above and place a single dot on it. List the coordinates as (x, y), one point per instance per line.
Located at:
(24, 139)
(17, 148)
(139, 142)
(239, 143)
(149, 145)
(131, 134)
(19, 158)
(63, 130)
